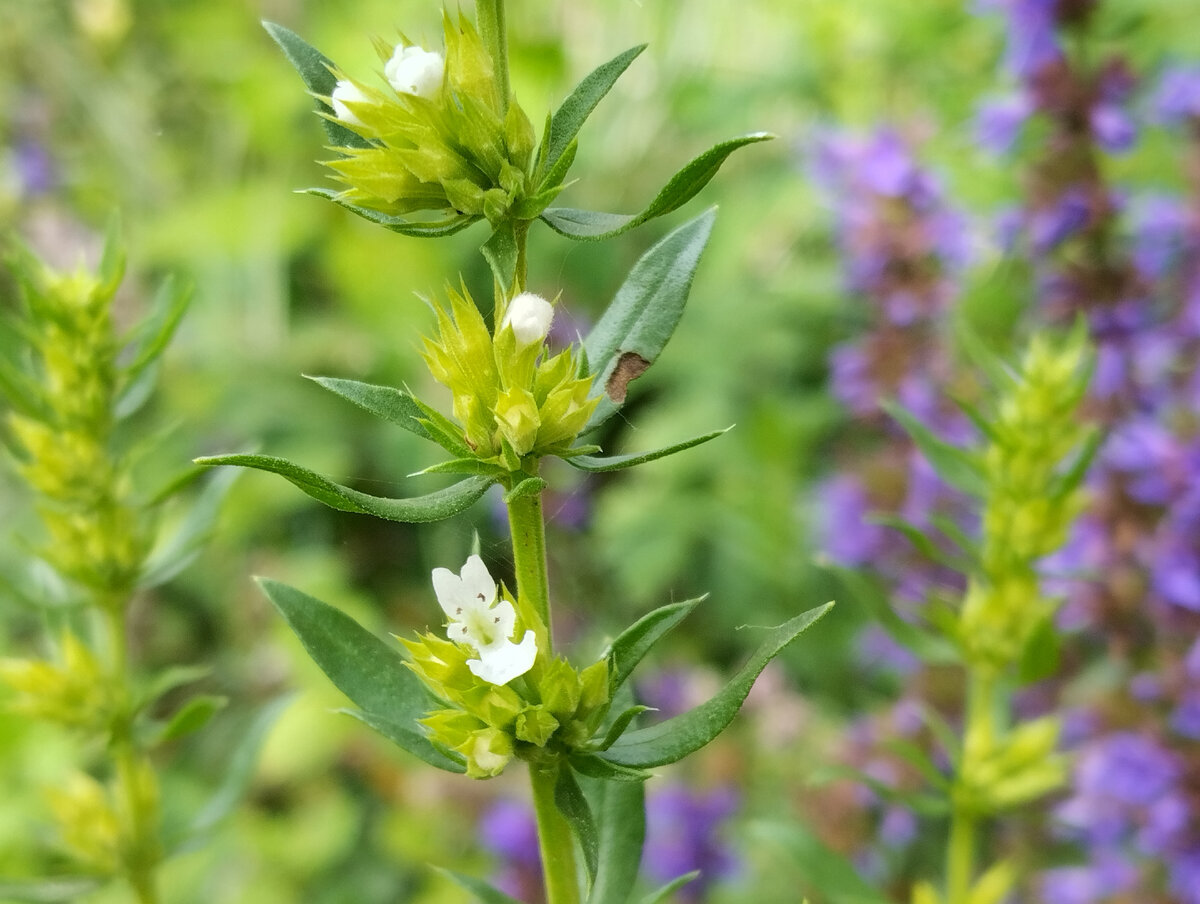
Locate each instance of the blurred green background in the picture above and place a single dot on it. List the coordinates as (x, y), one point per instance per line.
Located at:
(185, 118)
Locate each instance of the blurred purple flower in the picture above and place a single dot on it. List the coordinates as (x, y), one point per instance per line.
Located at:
(1110, 874)
(509, 830)
(849, 539)
(1054, 224)
(999, 122)
(34, 167)
(683, 829)
(1185, 876)
(1176, 558)
(1032, 39)
(1177, 98)
(1159, 222)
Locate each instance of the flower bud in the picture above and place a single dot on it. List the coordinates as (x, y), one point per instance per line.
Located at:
(530, 317)
(346, 90)
(414, 70)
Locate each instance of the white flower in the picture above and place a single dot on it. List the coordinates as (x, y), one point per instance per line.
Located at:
(346, 90)
(413, 70)
(468, 598)
(530, 317)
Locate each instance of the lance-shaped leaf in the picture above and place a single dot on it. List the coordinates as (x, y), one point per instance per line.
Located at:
(569, 799)
(180, 548)
(666, 892)
(386, 402)
(316, 70)
(418, 229)
(635, 641)
(621, 814)
(150, 337)
(602, 463)
(500, 251)
(672, 740)
(569, 118)
(486, 893)
(636, 326)
(372, 673)
(592, 225)
(434, 506)
(958, 467)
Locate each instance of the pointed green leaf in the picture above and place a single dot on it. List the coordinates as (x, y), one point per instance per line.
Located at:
(168, 680)
(958, 467)
(619, 724)
(315, 69)
(500, 251)
(601, 463)
(621, 813)
(635, 641)
(47, 891)
(569, 799)
(529, 486)
(480, 889)
(178, 550)
(463, 466)
(570, 117)
(150, 337)
(369, 671)
(22, 393)
(415, 228)
(235, 778)
(431, 507)
(665, 892)
(191, 717)
(819, 867)
(637, 325)
(1070, 479)
(401, 734)
(865, 592)
(591, 766)
(1040, 655)
(924, 543)
(392, 405)
(592, 226)
(672, 740)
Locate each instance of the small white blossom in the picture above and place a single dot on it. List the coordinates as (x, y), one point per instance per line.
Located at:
(467, 599)
(413, 70)
(346, 90)
(530, 317)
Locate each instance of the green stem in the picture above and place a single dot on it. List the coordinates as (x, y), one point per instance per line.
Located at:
(494, 33)
(979, 738)
(555, 841)
(141, 854)
(529, 556)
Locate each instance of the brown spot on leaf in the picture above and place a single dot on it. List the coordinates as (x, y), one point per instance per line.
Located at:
(629, 367)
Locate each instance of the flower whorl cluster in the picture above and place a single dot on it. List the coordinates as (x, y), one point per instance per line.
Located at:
(502, 698)
(511, 400)
(439, 138)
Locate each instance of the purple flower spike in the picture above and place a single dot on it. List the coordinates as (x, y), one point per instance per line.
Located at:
(1178, 96)
(509, 830)
(682, 829)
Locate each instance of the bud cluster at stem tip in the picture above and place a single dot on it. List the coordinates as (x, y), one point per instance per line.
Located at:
(512, 401)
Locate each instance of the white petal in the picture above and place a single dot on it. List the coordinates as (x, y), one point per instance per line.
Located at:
(346, 90)
(448, 588)
(502, 665)
(413, 70)
(477, 583)
(457, 595)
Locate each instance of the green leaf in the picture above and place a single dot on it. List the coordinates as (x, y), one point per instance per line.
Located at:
(864, 592)
(415, 228)
(1040, 655)
(621, 815)
(673, 739)
(637, 325)
(463, 466)
(500, 251)
(924, 543)
(372, 673)
(601, 463)
(817, 866)
(169, 679)
(150, 337)
(480, 889)
(958, 467)
(664, 893)
(386, 402)
(569, 799)
(619, 724)
(235, 778)
(593, 226)
(47, 891)
(1070, 479)
(191, 717)
(22, 393)
(529, 486)
(592, 766)
(180, 548)
(430, 507)
(315, 69)
(570, 117)
(635, 641)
